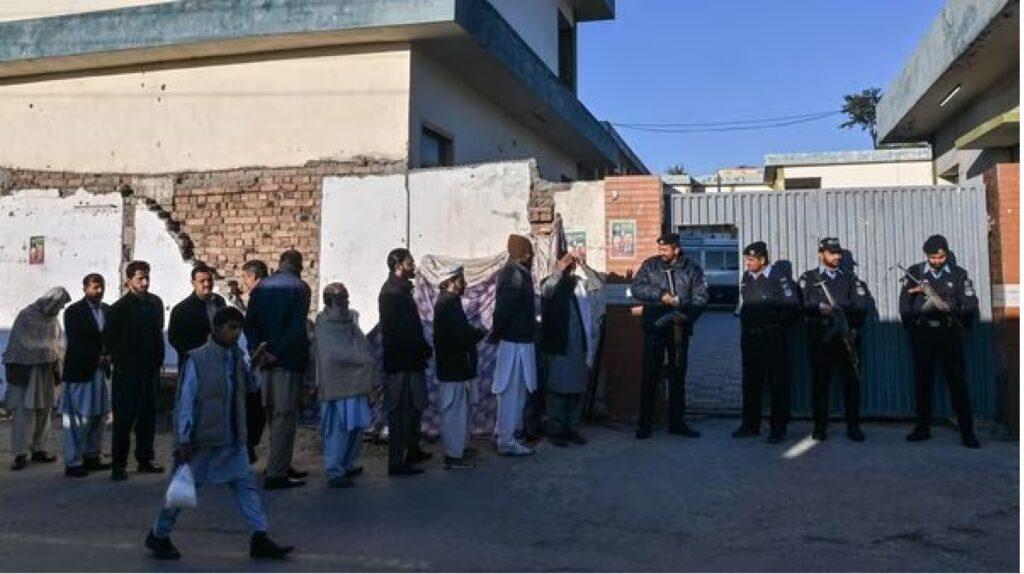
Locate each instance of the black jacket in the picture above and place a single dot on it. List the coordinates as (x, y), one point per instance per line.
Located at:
(768, 300)
(135, 336)
(515, 307)
(277, 315)
(190, 324)
(404, 347)
(455, 340)
(555, 302)
(849, 292)
(85, 341)
(954, 286)
(651, 282)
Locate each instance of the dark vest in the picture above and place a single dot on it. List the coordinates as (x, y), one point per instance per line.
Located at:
(209, 427)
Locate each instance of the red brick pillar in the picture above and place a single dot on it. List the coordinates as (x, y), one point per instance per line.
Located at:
(633, 213)
(1002, 191)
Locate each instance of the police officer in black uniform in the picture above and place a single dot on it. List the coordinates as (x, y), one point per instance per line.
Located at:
(768, 305)
(833, 334)
(668, 317)
(936, 330)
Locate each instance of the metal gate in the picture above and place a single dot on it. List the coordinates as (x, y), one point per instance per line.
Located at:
(880, 227)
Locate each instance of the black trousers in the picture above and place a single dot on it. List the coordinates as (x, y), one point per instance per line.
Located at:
(826, 359)
(404, 395)
(656, 345)
(765, 362)
(942, 346)
(255, 421)
(134, 407)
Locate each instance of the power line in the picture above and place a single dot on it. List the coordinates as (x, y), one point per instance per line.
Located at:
(737, 125)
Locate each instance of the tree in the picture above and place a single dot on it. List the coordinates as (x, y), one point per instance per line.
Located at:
(860, 111)
(677, 169)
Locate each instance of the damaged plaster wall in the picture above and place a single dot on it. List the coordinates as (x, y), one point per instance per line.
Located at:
(81, 234)
(582, 210)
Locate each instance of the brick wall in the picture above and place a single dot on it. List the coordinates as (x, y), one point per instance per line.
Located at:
(1002, 190)
(637, 198)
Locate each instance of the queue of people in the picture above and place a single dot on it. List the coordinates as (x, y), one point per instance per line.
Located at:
(243, 364)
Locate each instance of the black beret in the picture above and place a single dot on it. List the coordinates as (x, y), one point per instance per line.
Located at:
(668, 239)
(935, 244)
(756, 249)
(830, 244)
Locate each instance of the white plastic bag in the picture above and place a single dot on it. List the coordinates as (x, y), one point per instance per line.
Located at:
(181, 493)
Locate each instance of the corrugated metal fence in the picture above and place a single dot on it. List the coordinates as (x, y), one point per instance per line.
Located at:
(880, 227)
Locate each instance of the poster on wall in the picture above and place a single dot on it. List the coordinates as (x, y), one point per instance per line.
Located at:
(577, 243)
(36, 250)
(622, 238)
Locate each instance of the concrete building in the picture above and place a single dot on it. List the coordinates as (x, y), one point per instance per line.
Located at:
(960, 91)
(144, 86)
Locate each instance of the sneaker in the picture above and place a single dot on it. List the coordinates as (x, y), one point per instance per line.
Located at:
(745, 432)
(162, 548)
(576, 438)
(919, 434)
(340, 482)
(404, 470)
(452, 463)
(855, 434)
(20, 462)
(149, 468)
(94, 463)
(118, 474)
(75, 471)
(353, 472)
(515, 449)
(263, 548)
(281, 483)
(43, 456)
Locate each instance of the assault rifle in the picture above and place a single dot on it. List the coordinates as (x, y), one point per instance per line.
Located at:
(932, 297)
(840, 325)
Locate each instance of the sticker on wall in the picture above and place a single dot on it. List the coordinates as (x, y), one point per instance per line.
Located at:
(36, 250)
(622, 238)
(577, 243)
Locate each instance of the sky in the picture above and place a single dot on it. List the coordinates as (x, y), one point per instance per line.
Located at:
(700, 61)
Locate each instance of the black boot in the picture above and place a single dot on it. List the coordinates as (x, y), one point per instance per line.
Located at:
(149, 468)
(75, 471)
(643, 432)
(745, 431)
(854, 433)
(94, 463)
(777, 437)
(19, 463)
(970, 439)
(683, 429)
(263, 548)
(920, 433)
(43, 456)
(820, 432)
(162, 548)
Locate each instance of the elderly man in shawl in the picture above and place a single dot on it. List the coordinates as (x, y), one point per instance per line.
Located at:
(569, 345)
(209, 434)
(33, 357)
(345, 372)
(455, 341)
(514, 331)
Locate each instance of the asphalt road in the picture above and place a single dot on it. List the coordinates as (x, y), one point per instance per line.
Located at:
(713, 504)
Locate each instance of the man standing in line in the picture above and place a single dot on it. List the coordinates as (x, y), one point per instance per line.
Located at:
(277, 316)
(192, 318)
(406, 353)
(253, 271)
(936, 324)
(832, 333)
(135, 339)
(514, 331)
(769, 303)
(674, 293)
(86, 399)
(455, 341)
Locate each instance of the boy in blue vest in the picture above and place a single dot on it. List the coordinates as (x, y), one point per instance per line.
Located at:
(209, 427)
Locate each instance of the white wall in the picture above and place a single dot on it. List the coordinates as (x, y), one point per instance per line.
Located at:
(170, 275)
(582, 209)
(468, 211)
(481, 131)
(361, 220)
(331, 103)
(866, 174)
(536, 22)
(82, 235)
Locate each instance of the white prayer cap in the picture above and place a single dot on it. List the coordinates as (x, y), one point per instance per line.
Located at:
(450, 273)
